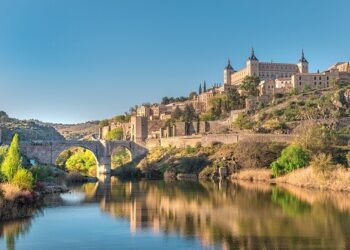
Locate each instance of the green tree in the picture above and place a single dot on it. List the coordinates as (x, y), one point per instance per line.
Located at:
(189, 113)
(292, 157)
(250, 85)
(3, 151)
(115, 134)
(23, 179)
(243, 122)
(200, 89)
(104, 123)
(81, 161)
(12, 161)
(204, 87)
(192, 95)
(176, 114)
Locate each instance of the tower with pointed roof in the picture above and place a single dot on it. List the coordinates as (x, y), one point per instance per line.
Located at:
(228, 71)
(303, 64)
(253, 64)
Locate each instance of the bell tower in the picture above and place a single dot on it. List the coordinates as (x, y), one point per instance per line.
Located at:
(303, 64)
(228, 71)
(253, 64)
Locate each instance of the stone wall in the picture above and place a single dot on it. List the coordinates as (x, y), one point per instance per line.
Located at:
(207, 140)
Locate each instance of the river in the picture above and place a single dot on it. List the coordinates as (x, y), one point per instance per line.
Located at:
(184, 215)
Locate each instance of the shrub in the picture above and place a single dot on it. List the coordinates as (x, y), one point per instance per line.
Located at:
(115, 134)
(243, 122)
(41, 173)
(348, 158)
(322, 165)
(23, 179)
(3, 151)
(250, 154)
(12, 161)
(191, 165)
(208, 172)
(81, 161)
(292, 157)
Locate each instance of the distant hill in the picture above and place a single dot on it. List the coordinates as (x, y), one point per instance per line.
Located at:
(27, 129)
(78, 131)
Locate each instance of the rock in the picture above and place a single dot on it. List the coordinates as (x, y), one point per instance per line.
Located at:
(187, 177)
(223, 172)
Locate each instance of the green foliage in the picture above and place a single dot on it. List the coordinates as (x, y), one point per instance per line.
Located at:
(121, 119)
(81, 161)
(348, 158)
(115, 134)
(41, 173)
(191, 165)
(12, 161)
(177, 114)
(63, 157)
(207, 117)
(120, 158)
(292, 157)
(3, 152)
(192, 95)
(209, 172)
(250, 86)
(23, 179)
(190, 150)
(104, 123)
(289, 203)
(189, 113)
(243, 122)
(166, 100)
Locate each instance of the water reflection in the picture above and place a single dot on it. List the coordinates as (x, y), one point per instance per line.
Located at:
(228, 215)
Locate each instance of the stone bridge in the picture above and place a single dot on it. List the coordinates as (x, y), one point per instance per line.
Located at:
(46, 152)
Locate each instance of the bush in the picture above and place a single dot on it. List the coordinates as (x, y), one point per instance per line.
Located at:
(322, 165)
(190, 165)
(250, 154)
(243, 122)
(115, 134)
(208, 172)
(23, 179)
(348, 158)
(292, 157)
(41, 173)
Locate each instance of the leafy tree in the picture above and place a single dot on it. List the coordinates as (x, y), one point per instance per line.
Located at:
(81, 161)
(12, 161)
(121, 118)
(189, 113)
(115, 134)
(23, 179)
(120, 158)
(292, 157)
(3, 151)
(250, 85)
(104, 123)
(177, 113)
(192, 95)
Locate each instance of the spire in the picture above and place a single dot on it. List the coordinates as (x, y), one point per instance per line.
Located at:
(229, 65)
(252, 55)
(303, 59)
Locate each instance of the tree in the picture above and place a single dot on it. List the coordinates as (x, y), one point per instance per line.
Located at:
(250, 85)
(177, 113)
(292, 157)
(115, 134)
(200, 89)
(192, 95)
(104, 123)
(189, 113)
(12, 161)
(81, 161)
(204, 87)
(23, 179)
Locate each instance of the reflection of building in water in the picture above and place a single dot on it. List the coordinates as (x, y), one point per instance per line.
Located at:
(228, 215)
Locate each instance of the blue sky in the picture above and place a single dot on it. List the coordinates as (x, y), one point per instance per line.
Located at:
(78, 60)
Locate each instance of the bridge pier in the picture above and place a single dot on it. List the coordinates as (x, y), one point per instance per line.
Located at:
(104, 166)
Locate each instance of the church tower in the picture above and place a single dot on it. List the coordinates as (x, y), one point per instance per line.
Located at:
(303, 64)
(228, 71)
(253, 64)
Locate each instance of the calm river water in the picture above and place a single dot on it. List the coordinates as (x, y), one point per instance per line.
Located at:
(184, 215)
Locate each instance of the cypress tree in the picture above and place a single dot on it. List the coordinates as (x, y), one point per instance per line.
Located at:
(12, 161)
(204, 87)
(200, 89)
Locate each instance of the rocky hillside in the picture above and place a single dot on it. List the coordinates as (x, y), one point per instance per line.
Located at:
(79, 131)
(27, 129)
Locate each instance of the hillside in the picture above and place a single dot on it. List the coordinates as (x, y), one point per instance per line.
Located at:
(27, 129)
(78, 131)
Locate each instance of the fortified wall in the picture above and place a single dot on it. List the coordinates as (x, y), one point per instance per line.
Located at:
(207, 140)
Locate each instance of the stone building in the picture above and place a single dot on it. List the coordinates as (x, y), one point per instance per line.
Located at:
(144, 111)
(0, 136)
(139, 129)
(264, 70)
(156, 111)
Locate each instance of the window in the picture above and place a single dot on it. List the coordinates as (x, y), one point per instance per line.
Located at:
(315, 78)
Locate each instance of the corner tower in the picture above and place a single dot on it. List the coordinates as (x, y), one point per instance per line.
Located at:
(253, 64)
(303, 64)
(228, 71)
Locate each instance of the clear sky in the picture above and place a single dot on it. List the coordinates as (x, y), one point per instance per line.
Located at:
(78, 60)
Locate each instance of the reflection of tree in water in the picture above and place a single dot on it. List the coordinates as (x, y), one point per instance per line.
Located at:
(12, 230)
(229, 214)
